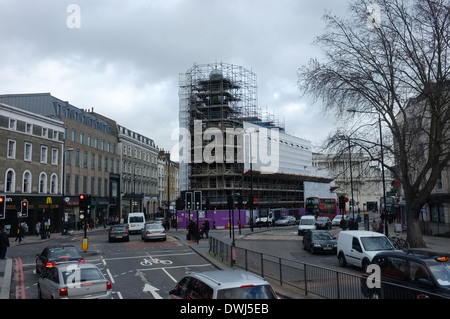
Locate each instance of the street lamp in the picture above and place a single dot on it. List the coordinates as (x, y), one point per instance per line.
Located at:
(63, 189)
(353, 110)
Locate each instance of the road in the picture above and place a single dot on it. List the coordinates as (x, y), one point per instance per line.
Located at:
(139, 269)
(136, 269)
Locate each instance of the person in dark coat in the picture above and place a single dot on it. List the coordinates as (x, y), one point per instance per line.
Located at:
(4, 244)
(206, 228)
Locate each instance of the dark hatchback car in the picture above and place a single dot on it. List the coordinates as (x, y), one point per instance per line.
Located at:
(54, 255)
(410, 274)
(319, 241)
(118, 232)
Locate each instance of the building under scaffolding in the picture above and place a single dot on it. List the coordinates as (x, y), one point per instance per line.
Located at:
(217, 103)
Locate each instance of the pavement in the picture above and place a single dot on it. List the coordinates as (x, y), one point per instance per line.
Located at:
(434, 243)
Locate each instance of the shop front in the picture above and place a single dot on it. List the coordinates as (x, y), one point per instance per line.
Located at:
(43, 213)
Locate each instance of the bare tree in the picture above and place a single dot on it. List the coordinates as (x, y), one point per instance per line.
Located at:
(391, 57)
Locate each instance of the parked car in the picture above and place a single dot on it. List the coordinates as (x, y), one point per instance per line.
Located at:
(54, 255)
(223, 284)
(319, 241)
(285, 221)
(412, 274)
(323, 222)
(74, 281)
(118, 232)
(153, 231)
(307, 222)
(358, 247)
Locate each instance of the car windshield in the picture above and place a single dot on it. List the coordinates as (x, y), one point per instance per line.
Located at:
(247, 292)
(76, 275)
(441, 272)
(63, 252)
(321, 236)
(308, 221)
(119, 227)
(374, 243)
(322, 219)
(154, 226)
(136, 219)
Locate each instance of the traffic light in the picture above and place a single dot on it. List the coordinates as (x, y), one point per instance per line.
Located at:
(2, 206)
(82, 201)
(24, 208)
(240, 202)
(230, 202)
(188, 200)
(198, 200)
(87, 200)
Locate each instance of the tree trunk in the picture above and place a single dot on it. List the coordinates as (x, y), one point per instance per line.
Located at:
(413, 233)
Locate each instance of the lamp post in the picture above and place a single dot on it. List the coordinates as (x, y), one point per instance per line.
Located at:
(353, 110)
(63, 187)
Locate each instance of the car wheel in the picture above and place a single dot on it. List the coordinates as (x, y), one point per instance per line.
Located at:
(365, 263)
(341, 259)
(311, 249)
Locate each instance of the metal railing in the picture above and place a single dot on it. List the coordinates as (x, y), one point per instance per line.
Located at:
(305, 278)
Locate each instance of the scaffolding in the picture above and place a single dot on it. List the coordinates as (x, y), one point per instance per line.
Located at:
(221, 97)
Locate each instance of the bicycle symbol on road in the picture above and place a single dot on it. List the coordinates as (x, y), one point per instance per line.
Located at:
(151, 261)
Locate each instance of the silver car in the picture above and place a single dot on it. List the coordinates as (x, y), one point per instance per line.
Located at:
(153, 231)
(74, 280)
(285, 221)
(223, 284)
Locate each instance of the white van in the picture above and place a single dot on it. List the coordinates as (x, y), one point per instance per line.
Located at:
(358, 247)
(307, 222)
(136, 222)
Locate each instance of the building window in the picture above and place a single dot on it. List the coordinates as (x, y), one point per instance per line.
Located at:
(28, 152)
(12, 124)
(74, 135)
(26, 182)
(92, 161)
(44, 132)
(85, 159)
(11, 151)
(55, 156)
(77, 159)
(28, 128)
(10, 179)
(437, 213)
(43, 183)
(54, 184)
(44, 154)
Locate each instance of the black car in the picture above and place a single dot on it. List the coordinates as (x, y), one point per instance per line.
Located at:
(408, 274)
(118, 232)
(319, 241)
(55, 255)
(323, 222)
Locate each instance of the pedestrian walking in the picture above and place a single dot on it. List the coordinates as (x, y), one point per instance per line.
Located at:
(4, 244)
(38, 228)
(19, 234)
(206, 228)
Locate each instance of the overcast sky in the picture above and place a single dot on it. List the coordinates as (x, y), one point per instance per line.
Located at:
(123, 58)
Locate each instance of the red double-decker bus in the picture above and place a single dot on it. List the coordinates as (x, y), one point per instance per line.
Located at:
(318, 206)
